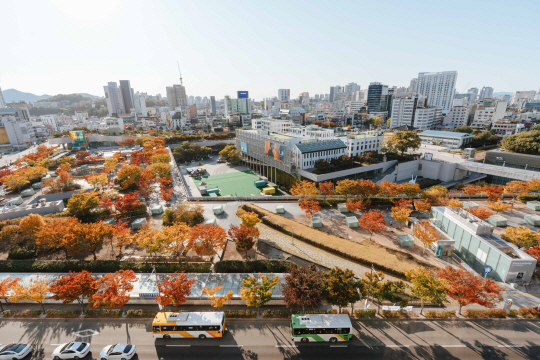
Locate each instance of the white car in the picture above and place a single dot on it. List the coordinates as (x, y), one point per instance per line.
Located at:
(14, 351)
(73, 350)
(118, 351)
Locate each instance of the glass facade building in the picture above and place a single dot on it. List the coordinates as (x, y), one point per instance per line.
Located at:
(477, 246)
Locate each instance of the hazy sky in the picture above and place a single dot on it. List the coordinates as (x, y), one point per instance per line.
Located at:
(66, 46)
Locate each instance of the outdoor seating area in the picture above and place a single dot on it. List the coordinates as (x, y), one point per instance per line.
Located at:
(16, 201)
(352, 221)
(533, 205)
(280, 209)
(533, 220)
(38, 185)
(405, 240)
(497, 220)
(470, 205)
(342, 208)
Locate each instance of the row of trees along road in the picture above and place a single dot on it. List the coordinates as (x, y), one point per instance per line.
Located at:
(303, 287)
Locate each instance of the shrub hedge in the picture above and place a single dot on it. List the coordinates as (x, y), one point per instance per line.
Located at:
(513, 313)
(62, 313)
(387, 314)
(443, 314)
(529, 313)
(525, 198)
(240, 314)
(21, 314)
(17, 252)
(103, 266)
(369, 313)
(141, 313)
(375, 201)
(254, 266)
(103, 313)
(489, 313)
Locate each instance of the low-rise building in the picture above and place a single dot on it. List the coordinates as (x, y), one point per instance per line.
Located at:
(311, 132)
(448, 139)
(16, 127)
(358, 143)
(507, 127)
(272, 125)
(308, 152)
(489, 112)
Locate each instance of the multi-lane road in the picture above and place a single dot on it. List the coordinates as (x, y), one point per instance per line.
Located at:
(481, 339)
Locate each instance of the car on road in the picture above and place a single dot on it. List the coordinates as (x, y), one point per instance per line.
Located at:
(222, 161)
(72, 350)
(118, 352)
(14, 351)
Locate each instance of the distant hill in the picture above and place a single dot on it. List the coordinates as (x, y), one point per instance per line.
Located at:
(502, 93)
(12, 95)
(90, 96)
(70, 98)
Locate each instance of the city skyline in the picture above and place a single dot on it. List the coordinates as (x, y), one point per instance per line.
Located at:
(293, 49)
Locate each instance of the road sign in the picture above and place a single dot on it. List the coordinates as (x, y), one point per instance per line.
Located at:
(488, 269)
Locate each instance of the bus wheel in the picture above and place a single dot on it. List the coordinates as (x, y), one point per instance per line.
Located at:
(305, 339)
(166, 336)
(202, 336)
(333, 339)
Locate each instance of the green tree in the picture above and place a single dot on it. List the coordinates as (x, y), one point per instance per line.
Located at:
(257, 291)
(82, 205)
(401, 142)
(426, 286)
(464, 129)
(340, 288)
(384, 290)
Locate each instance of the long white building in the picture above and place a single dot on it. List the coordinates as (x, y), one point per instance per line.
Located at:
(438, 87)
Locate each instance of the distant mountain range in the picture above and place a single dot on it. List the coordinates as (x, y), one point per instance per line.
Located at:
(502, 93)
(12, 95)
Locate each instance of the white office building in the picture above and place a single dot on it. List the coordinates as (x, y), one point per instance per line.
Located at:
(458, 116)
(491, 113)
(474, 94)
(520, 96)
(438, 87)
(352, 87)
(17, 125)
(507, 127)
(237, 106)
(284, 95)
(271, 125)
(311, 132)
(358, 143)
(50, 120)
(486, 93)
(404, 109)
(427, 118)
(448, 139)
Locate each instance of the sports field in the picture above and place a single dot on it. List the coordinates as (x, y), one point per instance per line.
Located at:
(240, 183)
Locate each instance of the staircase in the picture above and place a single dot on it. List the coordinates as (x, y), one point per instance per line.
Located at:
(382, 175)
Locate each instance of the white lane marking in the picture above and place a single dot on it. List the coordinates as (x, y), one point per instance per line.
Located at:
(179, 345)
(286, 346)
(231, 345)
(403, 346)
(449, 346)
(57, 344)
(342, 346)
(85, 333)
(510, 346)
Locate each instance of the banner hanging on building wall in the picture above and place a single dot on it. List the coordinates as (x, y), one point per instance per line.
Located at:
(275, 151)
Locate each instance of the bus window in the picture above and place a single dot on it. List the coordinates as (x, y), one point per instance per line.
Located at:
(156, 329)
(169, 328)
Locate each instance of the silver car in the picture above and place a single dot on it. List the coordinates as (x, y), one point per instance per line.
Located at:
(118, 352)
(14, 351)
(73, 350)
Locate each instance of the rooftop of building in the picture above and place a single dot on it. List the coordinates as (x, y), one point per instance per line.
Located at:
(322, 145)
(449, 134)
(8, 111)
(282, 136)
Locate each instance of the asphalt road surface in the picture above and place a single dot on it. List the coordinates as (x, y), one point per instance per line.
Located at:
(481, 339)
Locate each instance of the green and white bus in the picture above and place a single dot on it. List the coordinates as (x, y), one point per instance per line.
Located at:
(331, 327)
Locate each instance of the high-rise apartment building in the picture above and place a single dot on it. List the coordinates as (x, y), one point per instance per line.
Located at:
(352, 87)
(438, 87)
(240, 106)
(474, 94)
(176, 97)
(411, 109)
(284, 94)
(412, 85)
(127, 96)
(213, 105)
(519, 96)
(377, 98)
(115, 102)
(486, 93)
(2, 100)
(140, 105)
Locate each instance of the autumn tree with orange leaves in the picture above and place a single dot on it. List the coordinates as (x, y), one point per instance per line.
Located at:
(498, 206)
(5, 287)
(401, 214)
(326, 188)
(356, 204)
(309, 206)
(128, 177)
(304, 188)
(410, 190)
(125, 204)
(205, 239)
(468, 288)
(481, 212)
(470, 190)
(56, 235)
(217, 301)
(367, 188)
(372, 221)
(426, 233)
(422, 205)
(405, 203)
(173, 289)
(77, 286)
(516, 188)
(244, 237)
(494, 192)
(34, 290)
(113, 289)
(389, 189)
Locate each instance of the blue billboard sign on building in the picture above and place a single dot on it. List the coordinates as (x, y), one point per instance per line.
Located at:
(243, 147)
(243, 94)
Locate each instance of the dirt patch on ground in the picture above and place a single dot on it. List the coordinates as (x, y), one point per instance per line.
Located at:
(365, 252)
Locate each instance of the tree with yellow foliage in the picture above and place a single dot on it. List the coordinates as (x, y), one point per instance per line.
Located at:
(217, 301)
(34, 290)
(498, 206)
(129, 176)
(521, 236)
(534, 185)
(389, 189)
(304, 188)
(401, 214)
(98, 181)
(516, 188)
(31, 224)
(250, 219)
(426, 233)
(257, 291)
(454, 202)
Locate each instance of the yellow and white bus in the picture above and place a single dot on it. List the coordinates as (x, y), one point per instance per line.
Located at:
(200, 325)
